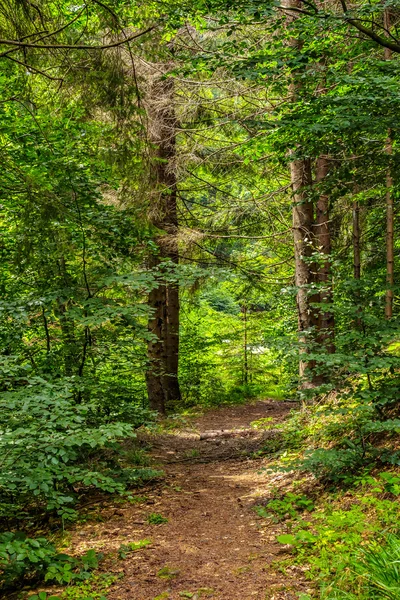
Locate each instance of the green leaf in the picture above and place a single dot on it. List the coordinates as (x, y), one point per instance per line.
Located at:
(286, 538)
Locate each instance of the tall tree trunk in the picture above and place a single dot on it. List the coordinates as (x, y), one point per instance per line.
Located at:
(389, 206)
(322, 236)
(70, 350)
(171, 381)
(245, 349)
(356, 241)
(389, 240)
(300, 172)
(164, 300)
(357, 258)
(303, 214)
(155, 346)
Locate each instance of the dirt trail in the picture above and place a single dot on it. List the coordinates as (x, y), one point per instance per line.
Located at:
(213, 545)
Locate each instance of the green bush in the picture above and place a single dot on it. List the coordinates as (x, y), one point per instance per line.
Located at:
(37, 559)
(52, 450)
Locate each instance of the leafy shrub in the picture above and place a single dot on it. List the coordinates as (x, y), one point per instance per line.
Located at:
(287, 507)
(338, 545)
(37, 559)
(52, 449)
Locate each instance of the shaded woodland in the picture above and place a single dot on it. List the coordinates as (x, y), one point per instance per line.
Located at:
(198, 208)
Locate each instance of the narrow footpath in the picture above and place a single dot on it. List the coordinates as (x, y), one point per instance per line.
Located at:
(213, 545)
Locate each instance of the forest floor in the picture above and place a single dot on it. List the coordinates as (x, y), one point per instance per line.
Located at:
(213, 545)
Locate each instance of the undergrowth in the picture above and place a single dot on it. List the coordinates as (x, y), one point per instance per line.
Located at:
(342, 524)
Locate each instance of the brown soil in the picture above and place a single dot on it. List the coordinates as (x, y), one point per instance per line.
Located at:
(213, 545)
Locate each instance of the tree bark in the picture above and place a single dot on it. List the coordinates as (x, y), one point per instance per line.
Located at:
(155, 346)
(303, 214)
(356, 241)
(162, 377)
(357, 257)
(245, 349)
(300, 172)
(389, 240)
(326, 319)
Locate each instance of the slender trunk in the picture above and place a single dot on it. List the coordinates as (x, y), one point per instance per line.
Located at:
(326, 324)
(171, 382)
(357, 259)
(67, 325)
(389, 206)
(302, 209)
(300, 171)
(245, 361)
(356, 241)
(389, 244)
(155, 346)
(164, 354)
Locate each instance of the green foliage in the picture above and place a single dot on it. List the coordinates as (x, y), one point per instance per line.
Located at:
(94, 588)
(287, 507)
(380, 566)
(80, 200)
(212, 360)
(63, 438)
(26, 558)
(156, 519)
(338, 540)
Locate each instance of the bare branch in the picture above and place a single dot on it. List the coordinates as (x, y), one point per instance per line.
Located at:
(74, 46)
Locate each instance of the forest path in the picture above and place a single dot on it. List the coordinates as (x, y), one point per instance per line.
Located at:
(213, 545)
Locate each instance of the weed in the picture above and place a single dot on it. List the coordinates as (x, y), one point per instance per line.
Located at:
(94, 588)
(156, 519)
(167, 573)
(138, 499)
(287, 507)
(138, 457)
(338, 542)
(125, 549)
(262, 423)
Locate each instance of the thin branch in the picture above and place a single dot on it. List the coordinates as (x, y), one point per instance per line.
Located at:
(35, 69)
(74, 46)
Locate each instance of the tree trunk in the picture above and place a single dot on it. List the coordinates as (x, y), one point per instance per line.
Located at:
(245, 350)
(171, 382)
(300, 171)
(357, 257)
(162, 378)
(303, 214)
(155, 347)
(326, 320)
(356, 241)
(389, 206)
(389, 240)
